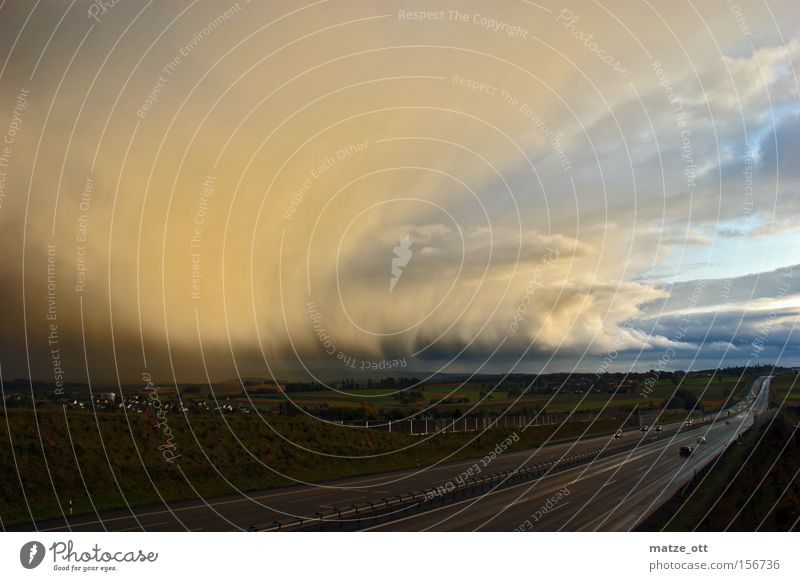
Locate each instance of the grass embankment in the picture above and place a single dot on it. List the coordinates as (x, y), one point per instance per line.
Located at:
(242, 449)
(717, 391)
(732, 499)
(785, 391)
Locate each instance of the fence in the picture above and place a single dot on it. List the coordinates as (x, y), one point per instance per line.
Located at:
(467, 424)
(425, 426)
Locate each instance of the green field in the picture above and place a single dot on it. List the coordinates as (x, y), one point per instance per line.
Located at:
(449, 398)
(785, 394)
(786, 385)
(713, 392)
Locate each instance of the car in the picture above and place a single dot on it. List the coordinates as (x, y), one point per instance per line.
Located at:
(618, 434)
(659, 429)
(702, 440)
(686, 451)
(644, 428)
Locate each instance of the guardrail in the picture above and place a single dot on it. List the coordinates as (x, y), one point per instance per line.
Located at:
(701, 472)
(357, 516)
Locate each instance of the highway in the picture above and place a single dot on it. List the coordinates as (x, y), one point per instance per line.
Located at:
(579, 485)
(613, 494)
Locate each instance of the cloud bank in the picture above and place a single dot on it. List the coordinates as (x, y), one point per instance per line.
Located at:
(208, 189)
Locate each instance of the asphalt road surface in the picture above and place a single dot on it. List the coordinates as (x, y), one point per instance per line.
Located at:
(612, 493)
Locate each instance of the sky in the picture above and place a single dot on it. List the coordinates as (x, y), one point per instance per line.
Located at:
(208, 190)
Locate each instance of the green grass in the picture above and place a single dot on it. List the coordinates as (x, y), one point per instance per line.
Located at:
(712, 392)
(785, 385)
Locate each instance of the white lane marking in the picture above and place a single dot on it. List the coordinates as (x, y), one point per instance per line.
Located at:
(539, 495)
(512, 487)
(143, 527)
(555, 508)
(644, 492)
(678, 438)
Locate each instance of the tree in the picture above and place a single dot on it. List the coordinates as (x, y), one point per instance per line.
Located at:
(684, 399)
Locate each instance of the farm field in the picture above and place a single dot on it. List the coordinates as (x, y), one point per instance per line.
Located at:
(471, 398)
(785, 394)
